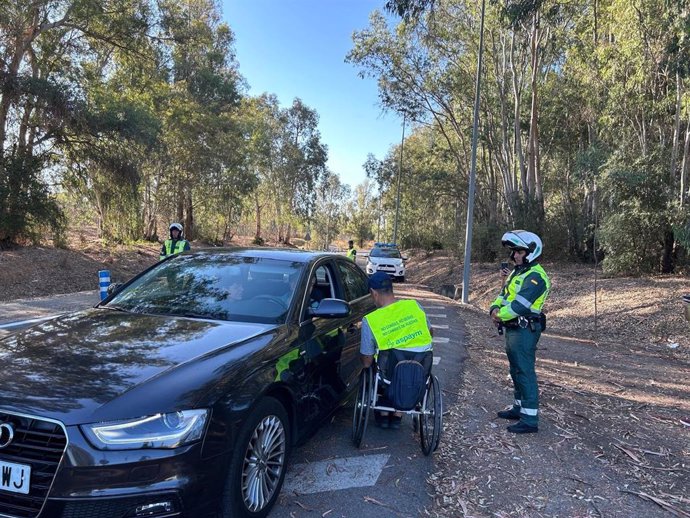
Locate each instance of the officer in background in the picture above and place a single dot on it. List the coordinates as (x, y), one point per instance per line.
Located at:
(176, 243)
(351, 252)
(399, 325)
(518, 310)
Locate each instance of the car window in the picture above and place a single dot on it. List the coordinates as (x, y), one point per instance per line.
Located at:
(385, 252)
(321, 286)
(219, 286)
(354, 281)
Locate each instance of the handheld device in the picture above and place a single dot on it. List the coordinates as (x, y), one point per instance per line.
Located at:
(505, 265)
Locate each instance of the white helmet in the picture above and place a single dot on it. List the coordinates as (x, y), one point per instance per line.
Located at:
(175, 226)
(523, 240)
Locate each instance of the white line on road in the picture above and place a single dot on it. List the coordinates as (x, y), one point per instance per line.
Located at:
(440, 326)
(26, 322)
(434, 307)
(437, 315)
(437, 360)
(440, 340)
(335, 474)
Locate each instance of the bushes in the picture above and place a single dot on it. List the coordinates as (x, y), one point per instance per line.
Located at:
(27, 207)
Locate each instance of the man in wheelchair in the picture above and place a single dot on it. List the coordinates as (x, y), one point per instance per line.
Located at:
(396, 336)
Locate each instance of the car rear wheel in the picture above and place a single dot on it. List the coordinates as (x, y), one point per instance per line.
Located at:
(258, 464)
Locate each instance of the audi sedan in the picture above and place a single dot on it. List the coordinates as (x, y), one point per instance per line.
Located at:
(182, 393)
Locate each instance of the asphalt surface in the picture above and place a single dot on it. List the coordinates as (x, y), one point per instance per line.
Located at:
(328, 476)
(388, 475)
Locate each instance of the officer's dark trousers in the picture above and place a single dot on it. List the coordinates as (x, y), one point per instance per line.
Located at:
(521, 346)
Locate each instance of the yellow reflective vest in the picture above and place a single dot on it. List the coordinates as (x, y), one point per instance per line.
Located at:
(528, 289)
(351, 254)
(401, 325)
(169, 249)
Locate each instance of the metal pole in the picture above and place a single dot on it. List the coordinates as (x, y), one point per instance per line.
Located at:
(397, 200)
(473, 170)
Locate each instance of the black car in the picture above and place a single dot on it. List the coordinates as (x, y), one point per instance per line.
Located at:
(182, 393)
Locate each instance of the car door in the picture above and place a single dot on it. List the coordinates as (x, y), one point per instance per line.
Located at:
(316, 353)
(355, 290)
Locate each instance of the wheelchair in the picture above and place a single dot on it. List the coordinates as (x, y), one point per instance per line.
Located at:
(426, 411)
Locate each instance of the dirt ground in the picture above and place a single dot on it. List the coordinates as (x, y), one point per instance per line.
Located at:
(614, 437)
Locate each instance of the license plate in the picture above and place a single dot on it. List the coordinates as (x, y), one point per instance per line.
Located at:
(14, 477)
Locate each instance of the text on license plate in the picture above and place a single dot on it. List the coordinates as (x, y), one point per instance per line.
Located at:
(14, 477)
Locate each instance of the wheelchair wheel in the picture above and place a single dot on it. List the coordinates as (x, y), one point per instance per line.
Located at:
(431, 419)
(362, 404)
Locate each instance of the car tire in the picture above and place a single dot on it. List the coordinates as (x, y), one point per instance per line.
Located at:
(252, 488)
(401, 279)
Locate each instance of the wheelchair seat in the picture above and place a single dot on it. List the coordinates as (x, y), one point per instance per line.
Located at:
(411, 381)
(403, 376)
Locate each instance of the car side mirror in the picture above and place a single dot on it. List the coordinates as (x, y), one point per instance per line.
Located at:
(114, 287)
(330, 308)
(405, 258)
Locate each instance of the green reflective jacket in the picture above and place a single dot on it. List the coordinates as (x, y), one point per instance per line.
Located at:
(524, 293)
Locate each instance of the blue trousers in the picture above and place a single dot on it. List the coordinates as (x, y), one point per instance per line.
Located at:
(521, 347)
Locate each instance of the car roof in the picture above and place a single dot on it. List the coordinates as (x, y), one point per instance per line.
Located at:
(282, 254)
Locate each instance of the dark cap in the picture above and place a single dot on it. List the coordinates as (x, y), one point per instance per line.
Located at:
(380, 281)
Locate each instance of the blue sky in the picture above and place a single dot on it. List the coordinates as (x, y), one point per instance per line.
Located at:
(297, 48)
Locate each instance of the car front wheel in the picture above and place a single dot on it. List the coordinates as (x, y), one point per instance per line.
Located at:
(258, 464)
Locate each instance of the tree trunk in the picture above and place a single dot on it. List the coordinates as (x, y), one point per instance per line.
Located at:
(667, 254)
(533, 146)
(288, 234)
(189, 231)
(676, 129)
(684, 165)
(257, 206)
(517, 94)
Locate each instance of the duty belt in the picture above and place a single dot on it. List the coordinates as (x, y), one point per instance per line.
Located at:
(522, 322)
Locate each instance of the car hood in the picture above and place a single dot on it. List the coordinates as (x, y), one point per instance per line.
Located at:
(73, 366)
(385, 260)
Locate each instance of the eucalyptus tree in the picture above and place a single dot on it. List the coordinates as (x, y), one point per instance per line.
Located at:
(302, 160)
(200, 118)
(330, 210)
(362, 211)
(45, 47)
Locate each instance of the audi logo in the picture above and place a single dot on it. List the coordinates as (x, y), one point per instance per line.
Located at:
(6, 435)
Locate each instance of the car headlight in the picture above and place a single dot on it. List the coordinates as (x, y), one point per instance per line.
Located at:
(157, 431)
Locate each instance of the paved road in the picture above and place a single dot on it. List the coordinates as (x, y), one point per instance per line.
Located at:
(21, 313)
(387, 477)
(328, 476)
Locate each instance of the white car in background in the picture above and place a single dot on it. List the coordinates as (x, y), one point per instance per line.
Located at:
(385, 257)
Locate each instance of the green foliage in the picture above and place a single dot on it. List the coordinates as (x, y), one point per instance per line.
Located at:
(27, 207)
(634, 226)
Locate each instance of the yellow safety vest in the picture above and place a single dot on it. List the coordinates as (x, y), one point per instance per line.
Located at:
(351, 254)
(511, 292)
(169, 250)
(401, 325)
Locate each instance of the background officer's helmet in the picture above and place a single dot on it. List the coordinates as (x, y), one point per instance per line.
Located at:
(523, 240)
(176, 226)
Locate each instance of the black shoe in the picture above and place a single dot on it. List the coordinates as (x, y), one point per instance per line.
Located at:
(394, 422)
(381, 420)
(508, 414)
(522, 428)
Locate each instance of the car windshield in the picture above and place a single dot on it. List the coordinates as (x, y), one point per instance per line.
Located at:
(219, 286)
(385, 252)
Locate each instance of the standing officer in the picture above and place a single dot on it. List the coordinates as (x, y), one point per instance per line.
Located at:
(351, 252)
(518, 310)
(176, 243)
(398, 330)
